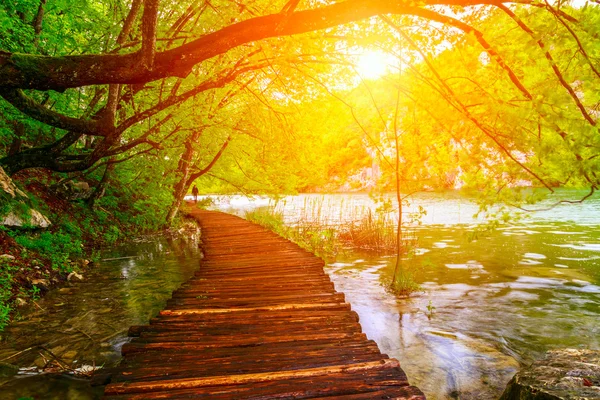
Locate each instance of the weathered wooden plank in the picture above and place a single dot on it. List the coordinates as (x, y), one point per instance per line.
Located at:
(188, 383)
(330, 385)
(259, 320)
(265, 309)
(139, 345)
(206, 368)
(265, 351)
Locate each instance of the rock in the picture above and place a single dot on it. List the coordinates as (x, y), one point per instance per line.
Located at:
(7, 186)
(563, 374)
(20, 213)
(19, 302)
(42, 284)
(74, 277)
(7, 257)
(8, 370)
(80, 186)
(72, 190)
(34, 220)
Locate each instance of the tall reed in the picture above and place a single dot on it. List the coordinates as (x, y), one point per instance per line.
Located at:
(313, 228)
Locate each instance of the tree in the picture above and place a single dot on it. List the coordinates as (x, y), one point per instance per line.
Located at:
(121, 80)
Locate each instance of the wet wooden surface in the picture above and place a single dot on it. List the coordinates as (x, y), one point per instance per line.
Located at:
(259, 320)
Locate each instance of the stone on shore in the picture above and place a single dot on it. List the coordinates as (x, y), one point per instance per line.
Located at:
(15, 207)
(571, 374)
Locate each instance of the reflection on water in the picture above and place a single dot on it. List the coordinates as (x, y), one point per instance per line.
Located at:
(449, 208)
(493, 312)
(489, 305)
(86, 323)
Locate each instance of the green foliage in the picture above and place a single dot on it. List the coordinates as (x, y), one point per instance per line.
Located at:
(112, 235)
(59, 247)
(268, 218)
(430, 309)
(4, 315)
(7, 271)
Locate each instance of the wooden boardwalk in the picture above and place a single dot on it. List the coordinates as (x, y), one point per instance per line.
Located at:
(260, 320)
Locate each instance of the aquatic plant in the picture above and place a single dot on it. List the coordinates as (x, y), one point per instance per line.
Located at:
(404, 284)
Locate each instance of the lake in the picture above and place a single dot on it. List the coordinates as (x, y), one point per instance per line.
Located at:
(491, 302)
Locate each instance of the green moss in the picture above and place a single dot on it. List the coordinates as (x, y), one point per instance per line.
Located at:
(26, 62)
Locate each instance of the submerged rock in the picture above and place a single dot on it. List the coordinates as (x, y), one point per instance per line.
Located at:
(561, 375)
(75, 277)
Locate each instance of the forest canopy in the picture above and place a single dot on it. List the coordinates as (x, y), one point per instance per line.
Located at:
(260, 96)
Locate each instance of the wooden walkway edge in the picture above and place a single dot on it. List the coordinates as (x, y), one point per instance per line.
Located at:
(259, 320)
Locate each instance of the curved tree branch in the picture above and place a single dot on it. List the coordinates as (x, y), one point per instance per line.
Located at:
(464, 110)
(59, 73)
(211, 164)
(31, 108)
(434, 16)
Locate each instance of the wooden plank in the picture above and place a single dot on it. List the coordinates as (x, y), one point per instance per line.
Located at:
(259, 320)
(187, 383)
(283, 307)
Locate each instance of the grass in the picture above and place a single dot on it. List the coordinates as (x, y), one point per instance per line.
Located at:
(313, 229)
(373, 231)
(310, 236)
(316, 227)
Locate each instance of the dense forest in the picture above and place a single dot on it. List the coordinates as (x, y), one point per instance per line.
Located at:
(111, 111)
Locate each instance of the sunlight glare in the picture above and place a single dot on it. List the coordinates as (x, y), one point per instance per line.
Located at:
(372, 64)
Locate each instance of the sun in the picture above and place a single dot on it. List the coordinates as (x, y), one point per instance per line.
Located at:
(372, 64)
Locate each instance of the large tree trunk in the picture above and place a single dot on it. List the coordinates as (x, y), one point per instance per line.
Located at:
(101, 188)
(183, 172)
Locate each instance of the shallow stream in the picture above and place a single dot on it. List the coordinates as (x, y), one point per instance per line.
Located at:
(85, 324)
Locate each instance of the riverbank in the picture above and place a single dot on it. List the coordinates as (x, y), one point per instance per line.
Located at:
(34, 260)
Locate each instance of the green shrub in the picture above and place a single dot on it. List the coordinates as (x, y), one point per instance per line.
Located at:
(4, 315)
(112, 234)
(6, 281)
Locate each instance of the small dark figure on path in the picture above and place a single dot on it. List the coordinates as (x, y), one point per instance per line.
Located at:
(195, 193)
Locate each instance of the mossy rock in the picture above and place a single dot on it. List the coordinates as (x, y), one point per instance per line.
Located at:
(15, 209)
(569, 374)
